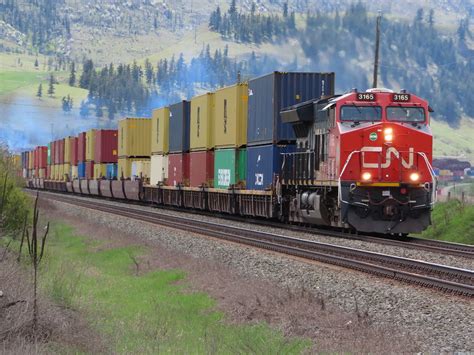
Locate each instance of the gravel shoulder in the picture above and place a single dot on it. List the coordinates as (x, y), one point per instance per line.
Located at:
(393, 316)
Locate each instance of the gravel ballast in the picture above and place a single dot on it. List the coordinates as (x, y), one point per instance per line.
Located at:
(440, 322)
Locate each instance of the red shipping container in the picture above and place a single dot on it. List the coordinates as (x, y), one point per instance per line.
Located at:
(81, 147)
(42, 157)
(35, 158)
(201, 168)
(74, 151)
(61, 151)
(106, 142)
(178, 169)
(52, 156)
(89, 169)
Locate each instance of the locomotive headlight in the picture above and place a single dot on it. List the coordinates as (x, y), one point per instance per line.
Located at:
(366, 176)
(414, 177)
(388, 134)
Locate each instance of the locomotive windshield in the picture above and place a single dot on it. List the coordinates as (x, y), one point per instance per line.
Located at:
(361, 113)
(405, 114)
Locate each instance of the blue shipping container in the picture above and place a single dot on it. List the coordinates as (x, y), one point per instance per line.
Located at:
(263, 162)
(269, 94)
(179, 127)
(111, 171)
(81, 170)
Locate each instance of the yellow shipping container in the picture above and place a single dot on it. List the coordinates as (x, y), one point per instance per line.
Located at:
(202, 122)
(42, 173)
(134, 137)
(230, 116)
(124, 168)
(74, 172)
(100, 171)
(30, 160)
(445, 172)
(160, 130)
(67, 149)
(60, 172)
(90, 144)
(66, 172)
(141, 168)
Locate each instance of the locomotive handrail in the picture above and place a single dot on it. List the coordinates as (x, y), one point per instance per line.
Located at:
(433, 177)
(339, 187)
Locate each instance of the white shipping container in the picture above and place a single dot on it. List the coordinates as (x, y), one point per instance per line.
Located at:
(74, 172)
(25, 173)
(159, 169)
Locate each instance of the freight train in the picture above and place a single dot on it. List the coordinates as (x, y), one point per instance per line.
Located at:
(282, 146)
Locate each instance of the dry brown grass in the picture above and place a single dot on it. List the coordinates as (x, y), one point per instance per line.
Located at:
(59, 328)
(249, 300)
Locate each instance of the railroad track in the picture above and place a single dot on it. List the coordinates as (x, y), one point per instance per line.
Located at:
(445, 278)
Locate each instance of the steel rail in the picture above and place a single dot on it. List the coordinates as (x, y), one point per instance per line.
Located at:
(342, 256)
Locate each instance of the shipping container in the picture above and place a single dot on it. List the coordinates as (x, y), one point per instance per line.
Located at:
(100, 170)
(111, 173)
(263, 164)
(90, 144)
(42, 157)
(66, 171)
(124, 169)
(134, 137)
(81, 147)
(160, 131)
(68, 143)
(158, 168)
(105, 150)
(61, 151)
(201, 168)
(178, 169)
(141, 169)
(74, 172)
(74, 150)
(48, 172)
(31, 162)
(89, 169)
(178, 139)
(230, 167)
(270, 93)
(230, 116)
(202, 122)
(81, 169)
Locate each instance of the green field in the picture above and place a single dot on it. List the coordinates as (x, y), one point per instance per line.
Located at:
(14, 80)
(149, 313)
(457, 143)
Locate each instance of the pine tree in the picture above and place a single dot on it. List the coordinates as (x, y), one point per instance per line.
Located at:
(51, 86)
(72, 76)
(39, 94)
(285, 10)
(36, 63)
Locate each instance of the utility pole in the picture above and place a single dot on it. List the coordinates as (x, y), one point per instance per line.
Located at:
(377, 45)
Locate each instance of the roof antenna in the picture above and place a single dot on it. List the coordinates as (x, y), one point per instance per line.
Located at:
(377, 44)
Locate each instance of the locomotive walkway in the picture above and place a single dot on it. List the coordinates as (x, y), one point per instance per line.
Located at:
(441, 277)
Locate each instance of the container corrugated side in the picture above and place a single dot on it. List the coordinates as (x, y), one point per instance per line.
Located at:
(158, 168)
(134, 139)
(106, 141)
(90, 144)
(202, 122)
(178, 139)
(68, 142)
(81, 169)
(66, 171)
(100, 170)
(81, 147)
(74, 172)
(89, 169)
(201, 168)
(124, 167)
(230, 116)
(263, 164)
(269, 94)
(230, 167)
(42, 157)
(141, 169)
(61, 151)
(160, 131)
(178, 169)
(111, 171)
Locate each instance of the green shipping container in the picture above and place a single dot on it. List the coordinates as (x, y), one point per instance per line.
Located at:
(49, 153)
(230, 167)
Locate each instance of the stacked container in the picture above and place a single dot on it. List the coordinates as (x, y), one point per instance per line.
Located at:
(134, 144)
(267, 136)
(90, 149)
(201, 158)
(159, 145)
(178, 141)
(42, 161)
(81, 155)
(230, 136)
(105, 151)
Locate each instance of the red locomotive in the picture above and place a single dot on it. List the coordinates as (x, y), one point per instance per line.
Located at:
(364, 159)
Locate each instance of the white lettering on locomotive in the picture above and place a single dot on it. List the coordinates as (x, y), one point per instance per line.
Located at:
(388, 157)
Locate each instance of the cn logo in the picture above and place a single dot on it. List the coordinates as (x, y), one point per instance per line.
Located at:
(388, 157)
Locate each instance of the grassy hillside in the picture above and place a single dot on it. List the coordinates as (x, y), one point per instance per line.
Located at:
(452, 142)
